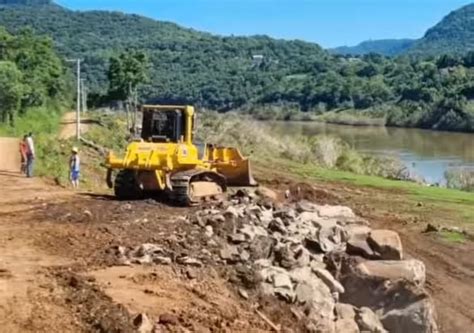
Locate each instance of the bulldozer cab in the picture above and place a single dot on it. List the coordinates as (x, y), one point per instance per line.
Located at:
(167, 124)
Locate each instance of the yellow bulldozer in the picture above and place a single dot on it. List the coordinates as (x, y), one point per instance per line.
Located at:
(165, 159)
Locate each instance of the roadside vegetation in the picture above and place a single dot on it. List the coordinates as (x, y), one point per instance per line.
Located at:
(33, 95)
(32, 76)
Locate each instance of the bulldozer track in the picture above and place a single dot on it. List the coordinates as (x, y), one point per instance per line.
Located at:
(181, 184)
(126, 187)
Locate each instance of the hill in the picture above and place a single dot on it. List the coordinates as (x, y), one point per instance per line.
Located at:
(387, 47)
(454, 34)
(187, 65)
(258, 74)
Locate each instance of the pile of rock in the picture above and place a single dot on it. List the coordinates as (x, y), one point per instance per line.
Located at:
(339, 274)
(344, 276)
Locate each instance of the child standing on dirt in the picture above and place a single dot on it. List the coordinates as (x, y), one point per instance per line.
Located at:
(74, 168)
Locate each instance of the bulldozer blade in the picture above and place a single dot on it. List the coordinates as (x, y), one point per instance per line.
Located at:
(239, 174)
(109, 178)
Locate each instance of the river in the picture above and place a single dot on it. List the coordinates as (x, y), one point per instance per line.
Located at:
(428, 154)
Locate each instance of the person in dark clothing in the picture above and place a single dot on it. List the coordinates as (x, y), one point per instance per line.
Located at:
(23, 154)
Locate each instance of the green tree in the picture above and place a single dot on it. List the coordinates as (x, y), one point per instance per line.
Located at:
(469, 59)
(11, 91)
(448, 60)
(42, 69)
(126, 73)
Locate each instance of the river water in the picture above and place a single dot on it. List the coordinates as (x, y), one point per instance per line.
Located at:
(428, 154)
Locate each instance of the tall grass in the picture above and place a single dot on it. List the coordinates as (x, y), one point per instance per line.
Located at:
(109, 131)
(39, 120)
(352, 119)
(51, 154)
(258, 140)
(462, 179)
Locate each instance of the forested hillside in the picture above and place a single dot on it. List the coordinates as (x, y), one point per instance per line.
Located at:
(226, 73)
(386, 47)
(453, 35)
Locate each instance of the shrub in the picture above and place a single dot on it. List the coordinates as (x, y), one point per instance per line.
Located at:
(462, 179)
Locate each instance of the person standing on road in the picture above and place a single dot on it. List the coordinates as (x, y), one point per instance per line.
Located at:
(74, 168)
(23, 154)
(30, 155)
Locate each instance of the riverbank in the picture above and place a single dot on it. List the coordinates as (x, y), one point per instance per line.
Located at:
(380, 116)
(262, 142)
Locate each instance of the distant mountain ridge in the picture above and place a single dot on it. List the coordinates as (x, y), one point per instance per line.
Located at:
(387, 47)
(25, 2)
(453, 34)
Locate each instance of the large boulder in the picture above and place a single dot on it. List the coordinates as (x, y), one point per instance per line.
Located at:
(357, 243)
(327, 240)
(336, 212)
(386, 243)
(329, 280)
(306, 206)
(368, 321)
(317, 299)
(143, 324)
(229, 253)
(417, 317)
(277, 281)
(411, 270)
(326, 211)
(345, 319)
(319, 306)
(265, 192)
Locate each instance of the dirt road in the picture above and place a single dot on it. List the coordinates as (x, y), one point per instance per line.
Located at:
(27, 296)
(68, 125)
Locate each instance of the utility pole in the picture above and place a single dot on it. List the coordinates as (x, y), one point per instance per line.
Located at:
(84, 96)
(135, 107)
(78, 104)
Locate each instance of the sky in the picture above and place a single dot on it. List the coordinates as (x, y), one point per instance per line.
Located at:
(330, 23)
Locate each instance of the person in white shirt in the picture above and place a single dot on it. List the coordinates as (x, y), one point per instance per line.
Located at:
(30, 155)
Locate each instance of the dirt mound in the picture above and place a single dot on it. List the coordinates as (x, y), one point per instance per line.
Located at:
(95, 310)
